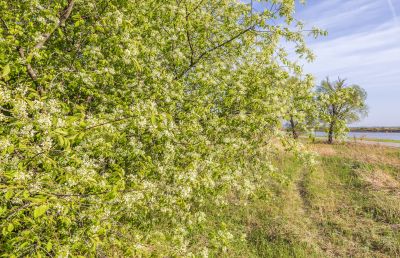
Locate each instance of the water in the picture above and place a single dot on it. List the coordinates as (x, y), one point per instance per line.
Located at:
(368, 135)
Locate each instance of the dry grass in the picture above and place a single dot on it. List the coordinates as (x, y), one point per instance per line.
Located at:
(347, 206)
(371, 154)
(380, 180)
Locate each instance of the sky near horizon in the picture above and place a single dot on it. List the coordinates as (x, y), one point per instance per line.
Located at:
(363, 46)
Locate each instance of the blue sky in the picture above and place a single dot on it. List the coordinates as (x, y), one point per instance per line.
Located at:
(363, 46)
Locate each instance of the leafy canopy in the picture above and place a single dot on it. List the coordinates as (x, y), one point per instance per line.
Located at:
(340, 104)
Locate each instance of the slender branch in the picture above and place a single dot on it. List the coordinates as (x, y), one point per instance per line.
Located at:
(108, 122)
(188, 36)
(79, 195)
(17, 210)
(195, 8)
(208, 51)
(64, 15)
(31, 72)
(91, 194)
(4, 23)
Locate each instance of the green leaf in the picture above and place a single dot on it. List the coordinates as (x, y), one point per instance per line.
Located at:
(39, 211)
(6, 71)
(49, 246)
(60, 32)
(138, 67)
(61, 140)
(10, 227)
(9, 194)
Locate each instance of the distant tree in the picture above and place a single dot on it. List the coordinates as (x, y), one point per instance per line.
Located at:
(301, 107)
(340, 104)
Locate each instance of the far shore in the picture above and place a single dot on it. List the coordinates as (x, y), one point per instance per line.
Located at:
(376, 129)
(382, 129)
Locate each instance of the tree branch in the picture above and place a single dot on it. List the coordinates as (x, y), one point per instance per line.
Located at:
(4, 24)
(108, 122)
(30, 70)
(64, 15)
(208, 51)
(195, 8)
(188, 35)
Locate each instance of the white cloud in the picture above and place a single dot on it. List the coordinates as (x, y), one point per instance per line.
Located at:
(378, 47)
(364, 47)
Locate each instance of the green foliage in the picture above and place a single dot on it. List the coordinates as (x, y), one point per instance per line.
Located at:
(122, 120)
(302, 110)
(340, 104)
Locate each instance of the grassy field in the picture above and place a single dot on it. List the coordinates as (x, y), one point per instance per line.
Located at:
(347, 206)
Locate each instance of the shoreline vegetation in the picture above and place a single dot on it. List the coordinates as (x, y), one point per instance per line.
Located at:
(369, 129)
(375, 129)
(352, 139)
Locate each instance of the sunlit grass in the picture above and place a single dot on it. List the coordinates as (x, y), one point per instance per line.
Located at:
(381, 140)
(347, 206)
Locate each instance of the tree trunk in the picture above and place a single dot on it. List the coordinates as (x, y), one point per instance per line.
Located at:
(330, 133)
(293, 126)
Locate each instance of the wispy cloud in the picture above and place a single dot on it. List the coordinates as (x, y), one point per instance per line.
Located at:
(364, 47)
(393, 10)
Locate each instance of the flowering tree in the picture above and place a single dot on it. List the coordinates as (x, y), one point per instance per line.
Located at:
(340, 104)
(302, 111)
(122, 120)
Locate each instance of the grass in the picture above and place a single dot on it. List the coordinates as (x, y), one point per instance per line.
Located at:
(347, 206)
(379, 140)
